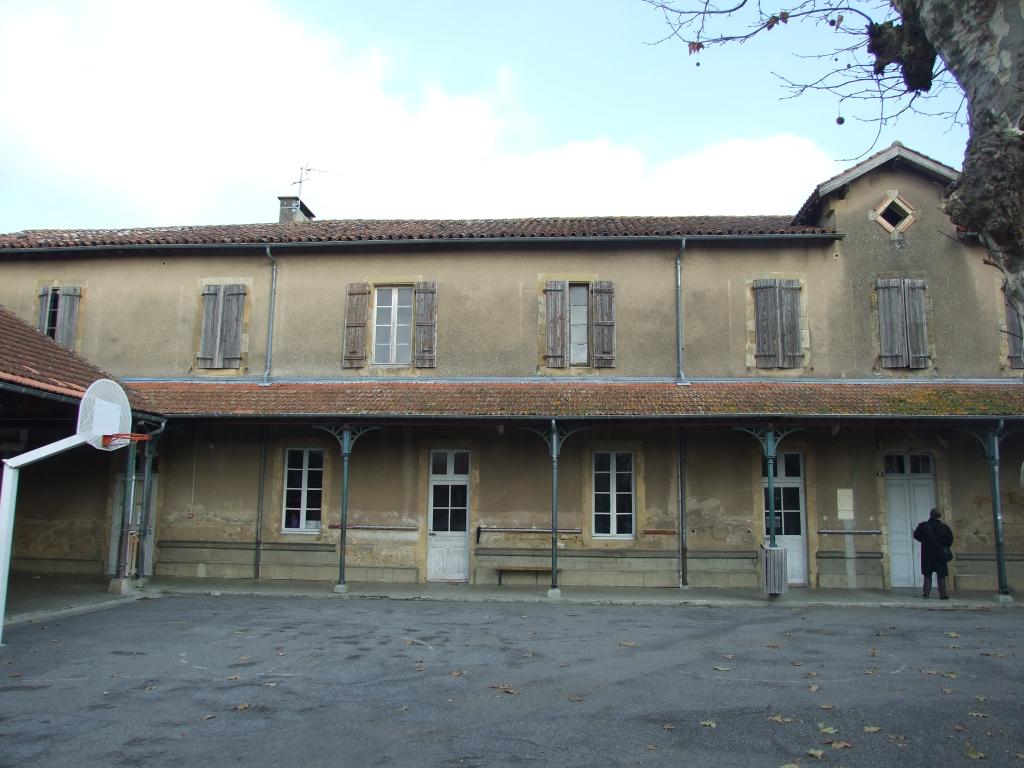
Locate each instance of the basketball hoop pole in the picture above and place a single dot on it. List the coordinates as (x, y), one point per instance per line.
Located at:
(8, 497)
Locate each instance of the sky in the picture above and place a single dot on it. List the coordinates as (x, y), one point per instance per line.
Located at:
(121, 113)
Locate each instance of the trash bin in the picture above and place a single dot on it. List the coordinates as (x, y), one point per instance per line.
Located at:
(774, 579)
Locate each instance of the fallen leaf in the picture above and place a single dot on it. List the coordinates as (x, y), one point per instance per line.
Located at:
(977, 714)
(404, 708)
(951, 634)
(871, 729)
(946, 690)
(929, 672)
(245, 658)
(893, 737)
(628, 644)
(980, 698)
(419, 667)
(787, 634)
(950, 675)
(269, 685)
(780, 719)
(826, 706)
(456, 673)
(871, 671)
(575, 699)
(791, 765)
(242, 707)
(728, 656)
(280, 653)
(652, 747)
(874, 652)
(974, 754)
(959, 728)
(668, 727)
(840, 744)
(149, 688)
(797, 663)
(505, 688)
(410, 642)
(709, 723)
(829, 729)
(773, 645)
(208, 717)
(723, 669)
(15, 674)
(810, 674)
(812, 688)
(233, 677)
(817, 754)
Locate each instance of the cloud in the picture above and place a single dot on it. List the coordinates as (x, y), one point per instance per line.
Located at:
(136, 114)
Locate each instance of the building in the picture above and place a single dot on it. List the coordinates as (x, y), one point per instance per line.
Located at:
(451, 387)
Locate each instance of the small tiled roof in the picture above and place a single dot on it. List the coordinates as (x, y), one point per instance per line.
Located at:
(383, 230)
(33, 360)
(569, 399)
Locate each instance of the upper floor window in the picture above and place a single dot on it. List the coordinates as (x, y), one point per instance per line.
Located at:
(58, 313)
(902, 324)
(614, 494)
(303, 490)
(777, 324)
(1014, 336)
(404, 325)
(220, 345)
(580, 324)
(894, 214)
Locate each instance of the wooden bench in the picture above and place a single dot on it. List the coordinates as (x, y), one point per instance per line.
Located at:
(503, 569)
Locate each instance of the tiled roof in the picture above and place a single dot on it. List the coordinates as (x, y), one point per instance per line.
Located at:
(566, 399)
(377, 230)
(33, 360)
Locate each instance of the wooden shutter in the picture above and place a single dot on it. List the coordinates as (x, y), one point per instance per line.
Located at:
(425, 300)
(917, 328)
(556, 298)
(232, 308)
(892, 323)
(67, 315)
(44, 309)
(766, 323)
(1013, 336)
(209, 342)
(791, 354)
(357, 307)
(603, 323)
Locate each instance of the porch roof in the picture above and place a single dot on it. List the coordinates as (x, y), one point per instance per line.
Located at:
(585, 400)
(30, 360)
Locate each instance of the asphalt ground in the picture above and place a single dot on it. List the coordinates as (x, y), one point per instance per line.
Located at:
(313, 681)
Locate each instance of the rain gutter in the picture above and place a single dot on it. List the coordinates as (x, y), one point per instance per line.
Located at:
(679, 309)
(767, 417)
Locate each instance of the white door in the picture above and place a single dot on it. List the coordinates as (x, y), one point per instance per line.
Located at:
(448, 516)
(909, 497)
(789, 506)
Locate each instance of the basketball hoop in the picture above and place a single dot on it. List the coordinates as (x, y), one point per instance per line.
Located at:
(121, 439)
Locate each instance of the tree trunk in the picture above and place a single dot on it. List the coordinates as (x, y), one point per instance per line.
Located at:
(982, 45)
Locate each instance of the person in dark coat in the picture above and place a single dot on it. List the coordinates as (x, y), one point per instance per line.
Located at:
(934, 535)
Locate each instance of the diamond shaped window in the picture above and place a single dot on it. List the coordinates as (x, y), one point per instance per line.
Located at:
(894, 214)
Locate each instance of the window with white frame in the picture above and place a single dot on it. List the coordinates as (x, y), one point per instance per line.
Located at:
(303, 490)
(392, 327)
(614, 494)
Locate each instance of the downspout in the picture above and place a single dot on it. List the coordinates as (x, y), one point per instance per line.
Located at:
(146, 523)
(127, 508)
(681, 485)
(679, 309)
(270, 316)
(260, 495)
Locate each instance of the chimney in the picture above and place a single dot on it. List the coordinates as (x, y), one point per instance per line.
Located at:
(294, 211)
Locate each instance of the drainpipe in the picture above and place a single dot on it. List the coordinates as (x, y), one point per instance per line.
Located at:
(991, 444)
(679, 309)
(260, 495)
(681, 485)
(146, 523)
(270, 315)
(554, 591)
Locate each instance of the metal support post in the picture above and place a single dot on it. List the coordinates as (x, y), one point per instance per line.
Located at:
(127, 511)
(554, 437)
(346, 435)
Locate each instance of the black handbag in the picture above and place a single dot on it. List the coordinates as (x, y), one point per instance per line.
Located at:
(947, 553)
